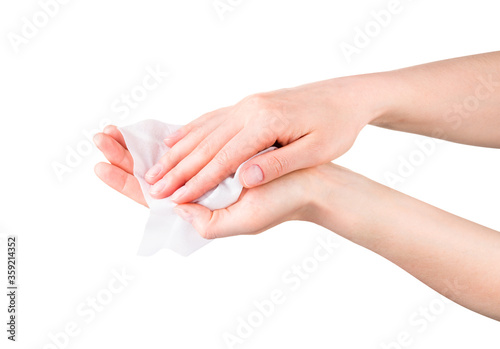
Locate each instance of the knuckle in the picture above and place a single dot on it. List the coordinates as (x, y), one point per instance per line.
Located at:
(222, 157)
(196, 129)
(201, 183)
(210, 231)
(222, 161)
(175, 177)
(207, 116)
(170, 158)
(205, 148)
(260, 102)
(277, 164)
(257, 98)
(196, 184)
(266, 101)
(267, 108)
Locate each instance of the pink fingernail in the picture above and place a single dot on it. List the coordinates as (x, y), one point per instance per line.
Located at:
(172, 136)
(158, 187)
(178, 193)
(252, 176)
(154, 171)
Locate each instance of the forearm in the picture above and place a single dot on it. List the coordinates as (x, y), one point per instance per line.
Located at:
(456, 99)
(455, 257)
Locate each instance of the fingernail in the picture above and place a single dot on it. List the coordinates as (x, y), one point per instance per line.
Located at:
(188, 217)
(96, 138)
(154, 171)
(252, 176)
(158, 187)
(172, 136)
(178, 193)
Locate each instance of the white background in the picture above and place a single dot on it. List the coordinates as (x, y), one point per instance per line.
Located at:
(74, 232)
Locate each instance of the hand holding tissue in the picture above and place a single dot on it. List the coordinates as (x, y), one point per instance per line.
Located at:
(164, 228)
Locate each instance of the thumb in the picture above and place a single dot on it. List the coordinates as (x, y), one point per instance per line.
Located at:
(271, 165)
(209, 224)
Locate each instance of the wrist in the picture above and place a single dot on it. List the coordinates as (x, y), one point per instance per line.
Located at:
(390, 94)
(344, 202)
(325, 185)
(372, 96)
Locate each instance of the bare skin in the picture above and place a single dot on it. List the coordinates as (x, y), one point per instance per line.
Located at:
(455, 257)
(456, 99)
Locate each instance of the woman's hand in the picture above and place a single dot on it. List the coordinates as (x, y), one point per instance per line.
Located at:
(456, 257)
(315, 123)
(257, 209)
(119, 174)
(456, 99)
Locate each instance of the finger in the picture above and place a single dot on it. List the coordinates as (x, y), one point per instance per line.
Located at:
(255, 211)
(113, 131)
(178, 152)
(211, 117)
(225, 163)
(214, 224)
(193, 163)
(271, 165)
(176, 136)
(121, 181)
(114, 152)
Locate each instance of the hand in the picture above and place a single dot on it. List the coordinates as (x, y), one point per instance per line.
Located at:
(119, 174)
(442, 250)
(256, 210)
(315, 123)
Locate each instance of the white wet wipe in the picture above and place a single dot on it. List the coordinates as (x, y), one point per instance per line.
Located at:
(164, 228)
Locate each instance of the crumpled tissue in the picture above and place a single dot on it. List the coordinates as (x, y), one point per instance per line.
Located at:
(164, 228)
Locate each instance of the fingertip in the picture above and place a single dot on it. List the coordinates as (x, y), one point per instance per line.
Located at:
(149, 180)
(178, 194)
(152, 180)
(97, 138)
(168, 142)
(173, 138)
(251, 176)
(198, 216)
(157, 191)
(113, 132)
(185, 194)
(184, 213)
(153, 173)
(110, 129)
(99, 169)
